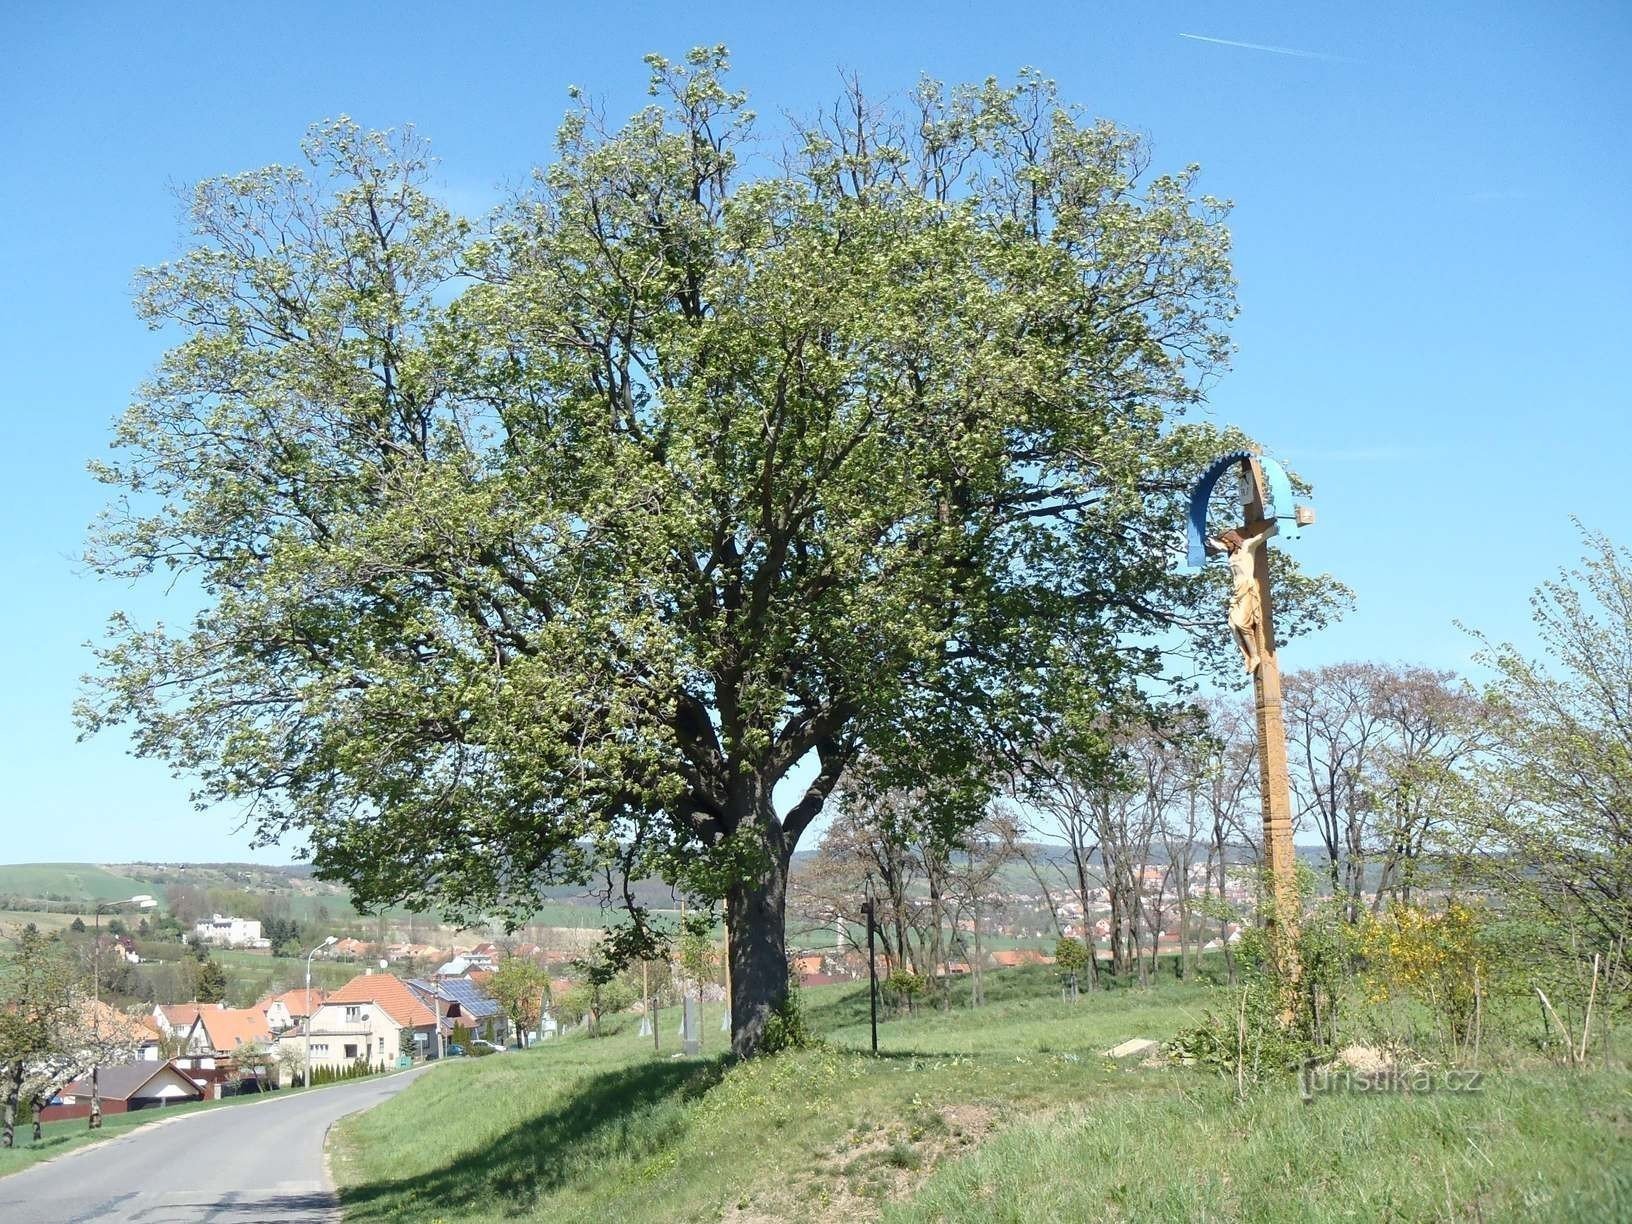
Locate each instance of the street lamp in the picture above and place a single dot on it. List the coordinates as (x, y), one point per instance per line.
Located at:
(141, 901)
(306, 1074)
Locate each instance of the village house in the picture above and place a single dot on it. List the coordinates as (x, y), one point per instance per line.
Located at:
(220, 1040)
(230, 932)
(222, 1030)
(124, 1087)
(285, 1010)
(463, 1001)
(364, 1022)
(349, 948)
(138, 1032)
(806, 964)
(174, 1019)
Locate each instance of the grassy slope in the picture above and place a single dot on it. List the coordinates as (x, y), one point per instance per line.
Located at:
(1008, 1113)
(68, 880)
(1541, 1145)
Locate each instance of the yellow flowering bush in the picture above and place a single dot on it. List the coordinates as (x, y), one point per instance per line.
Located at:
(1434, 956)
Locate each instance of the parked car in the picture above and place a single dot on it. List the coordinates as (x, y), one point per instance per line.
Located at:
(482, 1046)
(455, 1050)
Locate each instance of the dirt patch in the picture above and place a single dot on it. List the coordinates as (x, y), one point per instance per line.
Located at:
(874, 1165)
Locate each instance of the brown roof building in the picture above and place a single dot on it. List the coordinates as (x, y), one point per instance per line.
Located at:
(388, 991)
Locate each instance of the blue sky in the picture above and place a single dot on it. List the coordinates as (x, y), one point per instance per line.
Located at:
(1431, 233)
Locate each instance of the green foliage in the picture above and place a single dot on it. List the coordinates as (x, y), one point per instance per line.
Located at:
(1071, 955)
(209, 980)
(516, 560)
(788, 1028)
(335, 1075)
(698, 953)
(522, 988)
(1268, 1026)
(904, 987)
(1552, 832)
(461, 1035)
(572, 1004)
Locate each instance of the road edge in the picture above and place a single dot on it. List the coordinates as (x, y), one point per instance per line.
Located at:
(261, 1098)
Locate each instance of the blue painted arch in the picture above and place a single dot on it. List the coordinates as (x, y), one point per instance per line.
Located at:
(1278, 506)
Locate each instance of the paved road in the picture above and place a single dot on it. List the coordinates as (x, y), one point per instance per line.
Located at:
(235, 1164)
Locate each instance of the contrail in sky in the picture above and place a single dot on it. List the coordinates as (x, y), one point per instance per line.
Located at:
(1246, 46)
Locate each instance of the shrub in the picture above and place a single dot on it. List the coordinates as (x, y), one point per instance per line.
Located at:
(1439, 959)
(788, 1028)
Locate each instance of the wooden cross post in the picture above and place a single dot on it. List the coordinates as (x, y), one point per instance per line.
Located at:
(1274, 784)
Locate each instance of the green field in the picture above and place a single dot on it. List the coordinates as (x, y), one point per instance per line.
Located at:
(69, 881)
(1005, 1113)
(13, 921)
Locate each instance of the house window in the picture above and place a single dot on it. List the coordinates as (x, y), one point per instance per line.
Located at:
(354, 1013)
(351, 1050)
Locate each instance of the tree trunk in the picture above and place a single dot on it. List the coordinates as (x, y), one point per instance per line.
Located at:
(1079, 857)
(976, 989)
(938, 945)
(14, 1089)
(756, 916)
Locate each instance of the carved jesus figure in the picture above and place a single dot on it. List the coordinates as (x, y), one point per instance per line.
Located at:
(1246, 604)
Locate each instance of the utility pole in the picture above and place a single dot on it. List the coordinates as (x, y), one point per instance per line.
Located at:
(872, 960)
(94, 1121)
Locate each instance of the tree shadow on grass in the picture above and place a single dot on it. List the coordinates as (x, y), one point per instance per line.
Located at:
(544, 1154)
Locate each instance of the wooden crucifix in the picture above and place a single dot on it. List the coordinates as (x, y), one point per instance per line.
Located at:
(1267, 511)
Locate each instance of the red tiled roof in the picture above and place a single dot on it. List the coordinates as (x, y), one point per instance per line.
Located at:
(389, 992)
(227, 1028)
(110, 1021)
(179, 1015)
(294, 1000)
(1010, 957)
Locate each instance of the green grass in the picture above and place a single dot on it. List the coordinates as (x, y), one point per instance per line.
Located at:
(600, 1128)
(60, 1137)
(1005, 1113)
(72, 881)
(1530, 1146)
(13, 921)
(251, 975)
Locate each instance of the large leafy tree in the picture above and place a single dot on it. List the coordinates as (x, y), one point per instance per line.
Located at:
(706, 464)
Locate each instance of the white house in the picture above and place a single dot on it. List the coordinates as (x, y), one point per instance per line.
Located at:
(230, 932)
(288, 1009)
(363, 1021)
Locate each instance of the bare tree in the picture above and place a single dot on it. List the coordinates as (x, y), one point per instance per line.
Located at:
(1437, 728)
(987, 849)
(1379, 754)
(1231, 777)
(1332, 730)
